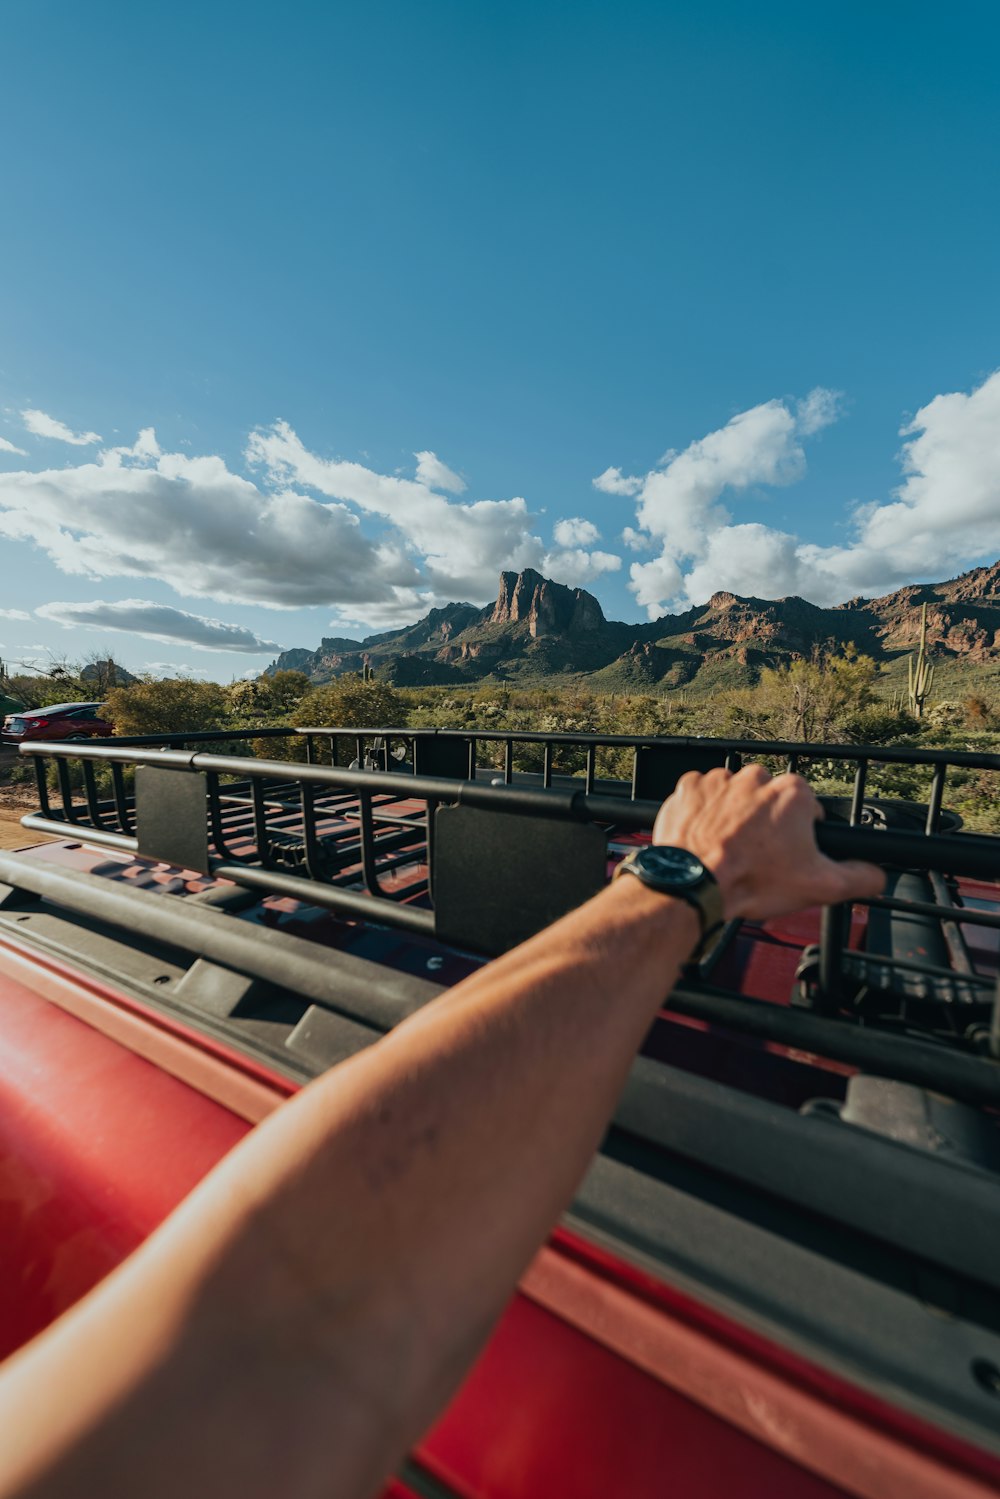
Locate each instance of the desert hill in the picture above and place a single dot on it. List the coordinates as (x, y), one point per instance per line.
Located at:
(539, 630)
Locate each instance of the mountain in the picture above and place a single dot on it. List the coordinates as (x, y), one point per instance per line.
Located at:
(106, 674)
(538, 630)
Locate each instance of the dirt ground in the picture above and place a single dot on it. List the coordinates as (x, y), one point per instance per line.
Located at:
(15, 801)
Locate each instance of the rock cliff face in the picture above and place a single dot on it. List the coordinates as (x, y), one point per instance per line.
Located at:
(541, 629)
(549, 608)
(963, 615)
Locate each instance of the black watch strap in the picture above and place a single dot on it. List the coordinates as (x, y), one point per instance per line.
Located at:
(705, 898)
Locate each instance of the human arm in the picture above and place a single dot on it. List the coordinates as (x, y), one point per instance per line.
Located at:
(304, 1315)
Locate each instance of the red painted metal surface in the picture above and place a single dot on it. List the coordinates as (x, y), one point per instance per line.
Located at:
(96, 1147)
(98, 1143)
(547, 1411)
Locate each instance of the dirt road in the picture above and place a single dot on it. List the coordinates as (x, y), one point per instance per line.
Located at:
(15, 801)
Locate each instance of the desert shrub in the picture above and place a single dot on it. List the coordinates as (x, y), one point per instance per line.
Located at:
(979, 713)
(352, 703)
(349, 702)
(878, 723)
(944, 714)
(177, 706)
(265, 699)
(808, 700)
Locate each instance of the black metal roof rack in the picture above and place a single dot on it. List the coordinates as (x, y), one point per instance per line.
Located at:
(480, 863)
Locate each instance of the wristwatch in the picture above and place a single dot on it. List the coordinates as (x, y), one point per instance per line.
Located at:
(675, 871)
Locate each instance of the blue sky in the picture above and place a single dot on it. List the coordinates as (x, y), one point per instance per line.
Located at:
(738, 263)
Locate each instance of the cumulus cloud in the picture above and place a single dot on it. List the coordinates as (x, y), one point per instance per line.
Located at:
(8, 447)
(679, 508)
(613, 481)
(204, 530)
(307, 530)
(574, 566)
(437, 475)
(575, 532)
(43, 425)
(637, 541)
(945, 515)
(462, 546)
(158, 622)
(408, 606)
(13, 614)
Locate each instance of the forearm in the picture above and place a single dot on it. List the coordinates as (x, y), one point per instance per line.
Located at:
(361, 1242)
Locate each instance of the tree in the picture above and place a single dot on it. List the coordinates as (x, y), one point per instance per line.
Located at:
(807, 699)
(41, 686)
(288, 688)
(352, 703)
(268, 697)
(177, 706)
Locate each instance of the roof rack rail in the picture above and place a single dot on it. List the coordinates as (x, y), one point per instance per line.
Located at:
(449, 856)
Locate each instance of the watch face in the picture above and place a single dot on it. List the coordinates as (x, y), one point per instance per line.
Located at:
(673, 868)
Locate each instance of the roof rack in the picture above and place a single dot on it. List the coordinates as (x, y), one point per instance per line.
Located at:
(427, 849)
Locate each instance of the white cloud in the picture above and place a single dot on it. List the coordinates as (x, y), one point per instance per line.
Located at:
(13, 614)
(462, 547)
(43, 425)
(679, 505)
(944, 517)
(437, 475)
(574, 567)
(613, 481)
(751, 559)
(8, 447)
(372, 619)
(575, 532)
(182, 669)
(637, 541)
(204, 530)
(819, 409)
(158, 622)
(946, 513)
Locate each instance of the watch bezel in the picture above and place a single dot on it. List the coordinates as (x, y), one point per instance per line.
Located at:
(654, 866)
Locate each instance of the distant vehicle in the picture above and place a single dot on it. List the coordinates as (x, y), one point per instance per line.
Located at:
(61, 721)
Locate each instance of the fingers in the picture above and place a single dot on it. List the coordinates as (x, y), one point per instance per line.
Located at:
(830, 882)
(860, 881)
(754, 775)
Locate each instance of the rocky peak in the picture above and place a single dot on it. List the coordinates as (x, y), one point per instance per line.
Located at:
(981, 584)
(549, 608)
(447, 621)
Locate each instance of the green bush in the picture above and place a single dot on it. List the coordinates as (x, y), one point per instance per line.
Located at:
(177, 706)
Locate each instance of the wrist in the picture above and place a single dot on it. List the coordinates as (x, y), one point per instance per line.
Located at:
(662, 912)
(730, 878)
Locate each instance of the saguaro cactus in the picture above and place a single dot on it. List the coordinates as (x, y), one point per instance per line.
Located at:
(920, 673)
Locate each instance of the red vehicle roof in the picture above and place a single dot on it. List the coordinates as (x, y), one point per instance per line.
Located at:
(773, 1280)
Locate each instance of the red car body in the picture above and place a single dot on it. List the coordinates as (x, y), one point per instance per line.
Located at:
(61, 721)
(616, 1370)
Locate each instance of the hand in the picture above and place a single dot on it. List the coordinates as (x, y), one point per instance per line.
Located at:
(756, 834)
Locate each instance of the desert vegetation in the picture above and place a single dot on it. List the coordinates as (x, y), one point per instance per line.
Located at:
(831, 698)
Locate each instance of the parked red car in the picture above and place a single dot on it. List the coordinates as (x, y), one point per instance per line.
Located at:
(61, 721)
